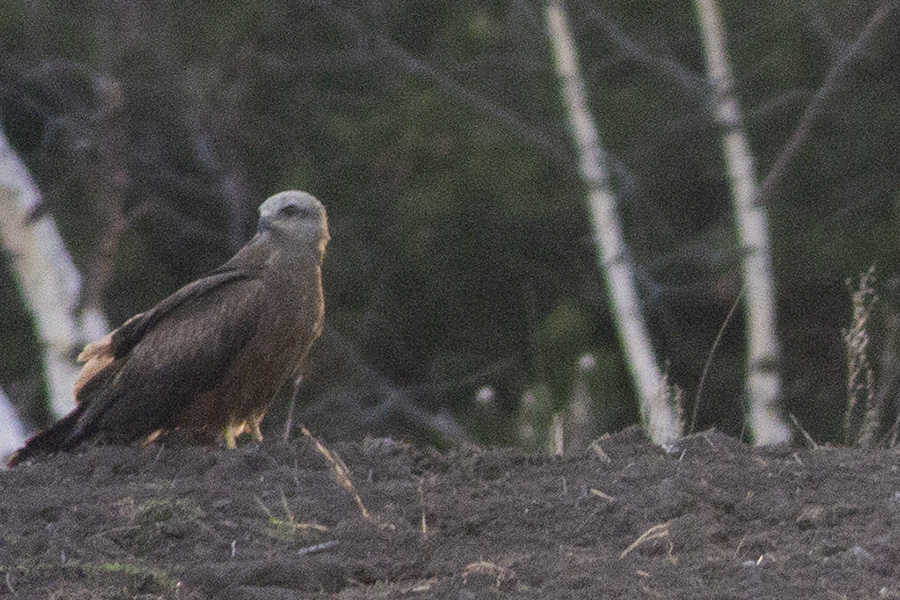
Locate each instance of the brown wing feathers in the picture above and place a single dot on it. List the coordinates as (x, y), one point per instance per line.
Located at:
(212, 354)
(140, 387)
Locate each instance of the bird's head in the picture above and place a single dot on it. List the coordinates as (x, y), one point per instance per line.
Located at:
(296, 217)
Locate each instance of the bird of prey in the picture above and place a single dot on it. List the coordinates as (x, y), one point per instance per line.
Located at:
(209, 357)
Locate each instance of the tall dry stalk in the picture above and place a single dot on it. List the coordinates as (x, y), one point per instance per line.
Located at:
(860, 377)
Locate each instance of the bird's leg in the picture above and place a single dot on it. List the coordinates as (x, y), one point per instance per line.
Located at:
(254, 427)
(231, 433)
(151, 438)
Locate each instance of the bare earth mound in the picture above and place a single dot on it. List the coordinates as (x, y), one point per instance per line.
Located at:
(712, 519)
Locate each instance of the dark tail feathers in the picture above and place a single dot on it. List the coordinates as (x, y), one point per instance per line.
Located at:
(57, 438)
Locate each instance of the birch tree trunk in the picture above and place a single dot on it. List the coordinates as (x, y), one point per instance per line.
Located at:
(657, 410)
(763, 384)
(47, 278)
(12, 433)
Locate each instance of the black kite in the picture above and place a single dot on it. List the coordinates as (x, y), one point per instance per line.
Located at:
(209, 357)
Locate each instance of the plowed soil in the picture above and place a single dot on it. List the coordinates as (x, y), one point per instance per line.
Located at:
(711, 518)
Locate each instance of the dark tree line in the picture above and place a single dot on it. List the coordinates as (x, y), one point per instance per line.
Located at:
(462, 264)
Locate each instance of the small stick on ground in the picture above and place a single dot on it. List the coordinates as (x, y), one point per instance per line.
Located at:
(740, 544)
(597, 449)
(500, 573)
(605, 496)
(424, 524)
(657, 532)
(317, 547)
(291, 521)
(9, 585)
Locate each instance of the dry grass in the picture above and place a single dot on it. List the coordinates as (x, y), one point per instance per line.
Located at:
(657, 532)
(288, 528)
(342, 476)
(341, 472)
(861, 415)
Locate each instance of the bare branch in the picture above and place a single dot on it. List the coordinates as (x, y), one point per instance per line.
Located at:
(829, 86)
(216, 142)
(369, 401)
(687, 79)
(764, 109)
(835, 45)
(385, 47)
(478, 377)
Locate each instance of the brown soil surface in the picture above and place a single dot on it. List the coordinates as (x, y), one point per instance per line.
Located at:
(713, 518)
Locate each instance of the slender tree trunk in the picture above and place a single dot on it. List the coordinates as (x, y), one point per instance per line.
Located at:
(47, 278)
(12, 433)
(657, 411)
(763, 384)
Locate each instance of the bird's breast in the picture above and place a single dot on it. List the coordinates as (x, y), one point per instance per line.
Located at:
(290, 319)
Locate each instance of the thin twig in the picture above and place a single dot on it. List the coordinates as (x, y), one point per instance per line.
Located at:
(289, 421)
(342, 475)
(809, 440)
(389, 49)
(829, 86)
(638, 52)
(712, 353)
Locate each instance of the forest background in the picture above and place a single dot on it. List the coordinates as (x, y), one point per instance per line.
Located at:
(463, 292)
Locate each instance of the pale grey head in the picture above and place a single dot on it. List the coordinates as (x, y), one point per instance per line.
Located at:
(294, 216)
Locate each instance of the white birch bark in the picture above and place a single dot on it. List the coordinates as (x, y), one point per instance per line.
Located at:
(47, 278)
(763, 383)
(12, 433)
(657, 412)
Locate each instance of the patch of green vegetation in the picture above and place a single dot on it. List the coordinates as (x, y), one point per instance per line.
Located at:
(158, 520)
(139, 577)
(159, 576)
(158, 511)
(288, 529)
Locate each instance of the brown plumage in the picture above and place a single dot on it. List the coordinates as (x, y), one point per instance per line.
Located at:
(210, 356)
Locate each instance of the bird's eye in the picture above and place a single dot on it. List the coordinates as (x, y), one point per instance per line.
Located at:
(290, 210)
